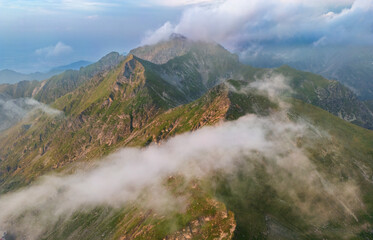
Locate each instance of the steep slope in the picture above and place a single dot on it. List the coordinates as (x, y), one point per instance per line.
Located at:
(59, 85)
(193, 67)
(331, 96)
(21, 89)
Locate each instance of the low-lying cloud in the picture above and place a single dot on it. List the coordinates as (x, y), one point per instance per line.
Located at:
(123, 176)
(14, 110)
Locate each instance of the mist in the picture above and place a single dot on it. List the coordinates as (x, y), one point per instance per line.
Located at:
(125, 175)
(14, 110)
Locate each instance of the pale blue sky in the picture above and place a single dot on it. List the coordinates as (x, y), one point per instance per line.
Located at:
(86, 30)
(36, 35)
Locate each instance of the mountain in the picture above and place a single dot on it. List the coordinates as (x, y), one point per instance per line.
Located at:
(11, 77)
(212, 64)
(331, 96)
(72, 66)
(352, 66)
(58, 85)
(162, 52)
(316, 184)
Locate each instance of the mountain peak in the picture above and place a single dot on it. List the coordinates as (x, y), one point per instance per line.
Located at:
(177, 36)
(177, 45)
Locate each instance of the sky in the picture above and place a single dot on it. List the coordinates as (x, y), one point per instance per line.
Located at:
(36, 35)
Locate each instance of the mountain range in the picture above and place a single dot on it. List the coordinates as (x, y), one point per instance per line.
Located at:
(352, 66)
(11, 77)
(311, 179)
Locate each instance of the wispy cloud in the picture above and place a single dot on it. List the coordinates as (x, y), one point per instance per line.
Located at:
(54, 51)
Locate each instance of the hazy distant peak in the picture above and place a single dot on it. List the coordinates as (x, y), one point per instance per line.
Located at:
(177, 36)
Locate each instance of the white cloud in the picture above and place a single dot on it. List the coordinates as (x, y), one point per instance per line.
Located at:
(158, 35)
(240, 22)
(14, 110)
(53, 51)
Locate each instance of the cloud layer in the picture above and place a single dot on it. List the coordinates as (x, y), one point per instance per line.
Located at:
(239, 23)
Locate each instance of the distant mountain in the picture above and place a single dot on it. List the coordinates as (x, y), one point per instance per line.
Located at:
(352, 66)
(72, 66)
(10, 76)
(50, 89)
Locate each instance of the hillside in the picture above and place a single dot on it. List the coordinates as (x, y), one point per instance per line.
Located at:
(352, 66)
(259, 157)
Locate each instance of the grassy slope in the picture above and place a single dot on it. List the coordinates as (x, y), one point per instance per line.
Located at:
(210, 109)
(252, 199)
(346, 154)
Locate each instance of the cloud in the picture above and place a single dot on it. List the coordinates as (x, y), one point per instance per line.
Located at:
(239, 23)
(162, 33)
(54, 51)
(124, 176)
(14, 110)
